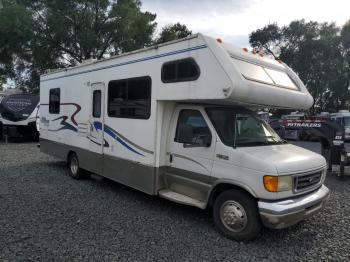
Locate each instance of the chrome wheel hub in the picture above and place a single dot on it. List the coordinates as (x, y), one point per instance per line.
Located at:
(74, 165)
(233, 216)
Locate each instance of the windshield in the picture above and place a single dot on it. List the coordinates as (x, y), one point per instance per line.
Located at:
(346, 121)
(242, 128)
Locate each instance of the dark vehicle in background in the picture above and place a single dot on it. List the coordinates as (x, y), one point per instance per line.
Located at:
(342, 118)
(18, 115)
(283, 128)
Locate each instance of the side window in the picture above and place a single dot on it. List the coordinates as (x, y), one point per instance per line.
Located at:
(96, 103)
(54, 101)
(192, 129)
(130, 98)
(180, 71)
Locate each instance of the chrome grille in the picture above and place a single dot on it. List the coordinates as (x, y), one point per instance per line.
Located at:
(304, 182)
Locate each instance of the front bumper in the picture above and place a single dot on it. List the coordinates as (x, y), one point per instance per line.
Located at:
(288, 212)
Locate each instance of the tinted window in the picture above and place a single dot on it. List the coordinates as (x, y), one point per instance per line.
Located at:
(180, 71)
(193, 121)
(96, 103)
(130, 98)
(54, 101)
(169, 72)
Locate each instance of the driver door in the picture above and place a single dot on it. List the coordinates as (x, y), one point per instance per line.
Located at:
(191, 148)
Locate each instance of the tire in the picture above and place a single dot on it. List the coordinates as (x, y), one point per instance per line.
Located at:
(242, 220)
(73, 166)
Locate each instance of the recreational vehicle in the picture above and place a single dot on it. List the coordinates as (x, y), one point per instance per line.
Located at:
(343, 118)
(18, 115)
(175, 120)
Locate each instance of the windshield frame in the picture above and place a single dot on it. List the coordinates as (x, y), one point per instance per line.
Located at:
(235, 143)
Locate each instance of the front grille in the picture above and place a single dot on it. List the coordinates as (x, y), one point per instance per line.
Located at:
(304, 182)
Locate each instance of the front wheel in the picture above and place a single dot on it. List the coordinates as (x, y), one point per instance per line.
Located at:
(236, 215)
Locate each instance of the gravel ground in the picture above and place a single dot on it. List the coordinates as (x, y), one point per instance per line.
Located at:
(45, 215)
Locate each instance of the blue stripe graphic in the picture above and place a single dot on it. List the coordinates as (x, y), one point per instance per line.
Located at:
(131, 62)
(66, 126)
(114, 135)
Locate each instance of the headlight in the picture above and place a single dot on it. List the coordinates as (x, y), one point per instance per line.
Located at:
(278, 183)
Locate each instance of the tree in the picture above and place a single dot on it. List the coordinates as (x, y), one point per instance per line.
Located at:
(345, 39)
(43, 34)
(15, 35)
(267, 38)
(2, 82)
(172, 32)
(314, 50)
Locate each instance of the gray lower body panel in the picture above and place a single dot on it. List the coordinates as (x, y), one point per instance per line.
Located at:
(194, 185)
(145, 178)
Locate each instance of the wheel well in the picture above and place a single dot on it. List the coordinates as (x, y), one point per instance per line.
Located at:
(218, 189)
(69, 154)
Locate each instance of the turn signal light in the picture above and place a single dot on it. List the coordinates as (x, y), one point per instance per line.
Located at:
(271, 183)
(245, 49)
(219, 40)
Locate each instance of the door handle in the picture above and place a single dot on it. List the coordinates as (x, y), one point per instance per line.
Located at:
(171, 158)
(224, 157)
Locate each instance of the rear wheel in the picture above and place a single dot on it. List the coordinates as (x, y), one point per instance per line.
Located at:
(73, 165)
(236, 215)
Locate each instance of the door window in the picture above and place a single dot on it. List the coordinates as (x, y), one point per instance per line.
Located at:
(96, 103)
(192, 129)
(54, 101)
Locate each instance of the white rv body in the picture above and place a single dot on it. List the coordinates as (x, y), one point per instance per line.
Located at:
(144, 153)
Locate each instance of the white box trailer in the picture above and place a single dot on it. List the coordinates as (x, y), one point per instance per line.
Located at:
(173, 120)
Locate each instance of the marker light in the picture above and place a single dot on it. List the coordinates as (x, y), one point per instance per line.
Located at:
(279, 61)
(278, 183)
(219, 40)
(245, 49)
(271, 183)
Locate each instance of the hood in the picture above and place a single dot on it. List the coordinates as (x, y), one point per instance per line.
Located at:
(287, 158)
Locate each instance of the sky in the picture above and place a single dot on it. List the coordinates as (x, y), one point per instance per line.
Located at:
(234, 20)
